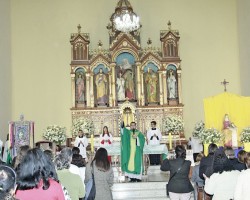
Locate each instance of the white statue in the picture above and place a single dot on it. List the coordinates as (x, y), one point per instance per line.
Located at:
(171, 85)
(120, 88)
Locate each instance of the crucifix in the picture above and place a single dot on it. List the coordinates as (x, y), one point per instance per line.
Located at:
(225, 84)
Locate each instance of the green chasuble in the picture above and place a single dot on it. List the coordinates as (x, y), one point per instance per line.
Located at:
(132, 145)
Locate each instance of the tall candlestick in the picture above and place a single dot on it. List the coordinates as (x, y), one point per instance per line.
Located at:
(170, 140)
(92, 143)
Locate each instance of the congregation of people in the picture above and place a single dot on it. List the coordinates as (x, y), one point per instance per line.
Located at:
(61, 175)
(66, 173)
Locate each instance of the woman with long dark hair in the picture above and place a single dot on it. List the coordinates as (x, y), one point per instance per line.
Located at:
(37, 178)
(106, 139)
(179, 185)
(7, 183)
(103, 175)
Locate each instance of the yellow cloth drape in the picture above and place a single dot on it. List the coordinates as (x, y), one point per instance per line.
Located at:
(237, 107)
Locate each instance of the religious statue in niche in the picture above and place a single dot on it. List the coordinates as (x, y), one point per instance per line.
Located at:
(120, 87)
(171, 81)
(101, 83)
(125, 71)
(151, 81)
(80, 88)
(230, 132)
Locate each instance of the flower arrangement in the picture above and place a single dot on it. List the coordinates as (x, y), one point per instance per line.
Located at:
(173, 124)
(198, 129)
(81, 124)
(55, 133)
(211, 135)
(245, 135)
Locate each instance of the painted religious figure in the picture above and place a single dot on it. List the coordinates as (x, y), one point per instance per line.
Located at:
(125, 72)
(80, 88)
(151, 81)
(129, 84)
(171, 85)
(101, 83)
(120, 87)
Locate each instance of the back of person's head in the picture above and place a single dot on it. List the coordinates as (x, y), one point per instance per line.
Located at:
(229, 152)
(63, 160)
(101, 159)
(180, 151)
(7, 182)
(49, 153)
(221, 162)
(199, 157)
(247, 160)
(212, 148)
(241, 156)
(75, 150)
(22, 151)
(35, 167)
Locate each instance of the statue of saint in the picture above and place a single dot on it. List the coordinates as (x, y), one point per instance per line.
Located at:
(151, 85)
(230, 132)
(129, 84)
(171, 85)
(80, 88)
(120, 88)
(101, 83)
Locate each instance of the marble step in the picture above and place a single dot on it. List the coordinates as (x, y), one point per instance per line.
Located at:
(142, 190)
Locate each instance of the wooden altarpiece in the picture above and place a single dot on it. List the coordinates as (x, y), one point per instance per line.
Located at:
(126, 82)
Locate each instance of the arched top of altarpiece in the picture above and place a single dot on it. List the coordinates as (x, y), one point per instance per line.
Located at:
(97, 68)
(80, 68)
(122, 51)
(98, 61)
(171, 66)
(151, 65)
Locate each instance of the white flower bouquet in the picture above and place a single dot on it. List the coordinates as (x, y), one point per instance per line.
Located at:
(245, 135)
(211, 135)
(198, 129)
(55, 133)
(81, 124)
(173, 124)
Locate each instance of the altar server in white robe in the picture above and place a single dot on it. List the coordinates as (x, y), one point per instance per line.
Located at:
(106, 139)
(82, 142)
(154, 138)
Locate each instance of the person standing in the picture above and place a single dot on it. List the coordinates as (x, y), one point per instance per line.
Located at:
(154, 138)
(106, 139)
(132, 144)
(103, 175)
(81, 142)
(120, 88)
(179, 186)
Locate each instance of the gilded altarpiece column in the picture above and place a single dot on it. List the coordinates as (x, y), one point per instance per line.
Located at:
(164, 83)
(113, 95)
(160, 84)
(142, 89)
(110, 89)
(91, 90)
(138, 65)
(179, 86)
(73, 90)
(88, 89)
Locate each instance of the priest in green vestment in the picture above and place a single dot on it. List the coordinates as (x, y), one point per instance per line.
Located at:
(132, 144)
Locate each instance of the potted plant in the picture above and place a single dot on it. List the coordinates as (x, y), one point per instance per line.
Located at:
(173, 124)
(245, 138)
(81, 124)
(198, 129)
(55, 133)
(210, 135)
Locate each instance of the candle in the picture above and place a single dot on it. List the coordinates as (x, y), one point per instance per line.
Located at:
(170, 140)
(92, 143)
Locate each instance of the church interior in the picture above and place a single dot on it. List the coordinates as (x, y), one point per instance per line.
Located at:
(62, 61)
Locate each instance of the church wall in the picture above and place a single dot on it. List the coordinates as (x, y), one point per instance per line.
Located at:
(41, 86)
(5, 67)
(244, 44)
